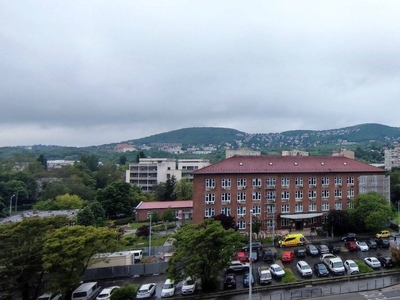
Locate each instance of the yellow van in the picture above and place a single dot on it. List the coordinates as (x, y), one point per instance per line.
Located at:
(296, 239)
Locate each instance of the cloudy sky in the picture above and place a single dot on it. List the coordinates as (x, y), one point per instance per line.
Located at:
(81, 73)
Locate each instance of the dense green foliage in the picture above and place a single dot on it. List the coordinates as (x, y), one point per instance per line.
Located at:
(127, 292)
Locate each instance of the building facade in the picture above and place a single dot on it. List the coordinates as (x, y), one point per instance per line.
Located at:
(182, 209)
(392, 158)
(151, 171)
(284, 192)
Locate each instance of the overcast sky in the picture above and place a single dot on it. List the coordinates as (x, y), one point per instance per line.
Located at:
(82, 73)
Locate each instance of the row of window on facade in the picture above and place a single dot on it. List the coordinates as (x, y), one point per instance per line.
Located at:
(270, 209)
(271, 196)
(285, 182)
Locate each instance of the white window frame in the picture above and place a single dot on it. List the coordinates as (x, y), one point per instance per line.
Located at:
(325, 194)
(312, 181)
(312, 207)
(312, 194)
(298, 207)
(257, 210)
(241, 183)
(285, 182)
(350, 194)
(225, 183)
(241, 211)
(338, 194)
(256, 196)
(209, 212)
(299, 195)
(338, 205)
(325, 181)
(241, 225)
(225, 198)
(210, 184)
(350, 181)
(241, 197)
(285, 196)
(285, 208)
(271, 182)
(256, 183)
(338, 181)
(226, 211)
(271, 196)
(299, 181)
(285, 222)
(325, 206)
(209, 198)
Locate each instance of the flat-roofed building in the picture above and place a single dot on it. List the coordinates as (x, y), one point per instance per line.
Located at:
(182, 209)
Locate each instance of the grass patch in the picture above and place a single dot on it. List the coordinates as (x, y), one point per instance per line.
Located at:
(132, 241)
(136, 225)
(289, 277)
(363, 267)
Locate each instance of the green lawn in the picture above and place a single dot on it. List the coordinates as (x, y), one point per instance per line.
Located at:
(132, 241)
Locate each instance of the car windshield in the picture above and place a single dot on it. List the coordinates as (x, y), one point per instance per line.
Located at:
(313, 248)
(189, 282)
(278, 269)
(338, 264)
(105, 295)
(362, 244)
(305, 267)
(168, 286)
(352, 265)
(143, 291)
(321, 267)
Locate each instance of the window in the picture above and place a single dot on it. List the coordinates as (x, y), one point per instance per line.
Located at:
(299, 195)
(285, 195)
(350, 181)
(285, 208)
(338, 194)
(325, 206)
(270, 225)
(271, 196)
(350, 194)
(271, 182)
(325, 181)
(312, 181)
(298, 207)
(299, 181)
(325, 194)
(226, 211)
(210, 184)
(226, 183)
(285, 182)
(271, 209)
(338, 205)
(374, 180)
(241, 197)
(241, 183)
(350, 204)
(226, 198)
(285, 222)
(312, 195)
(313, 220)
(209, 212)
(257, 197)
(210, 198)
(338, 181)
(256, 183)
(241, 211)
(312, 207)
(256, 210)
(241, 225)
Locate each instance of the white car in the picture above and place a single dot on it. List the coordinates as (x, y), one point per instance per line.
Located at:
(304, 268)
(168, 289)
(373, 262)
(105, 294)
(277, 271)
(146, 291)
(189, 286)
(351, 267)
(362, 246)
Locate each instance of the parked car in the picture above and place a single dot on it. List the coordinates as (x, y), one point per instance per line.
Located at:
(362, 246)
(50, 296)
(105, 294)
(386, 262)
(373, 262)
(254, 256)
(168, 289)
(277, 271)
(264, 275)
(333, 248)
(246, 279)
(300, 252)
(189, 286)
(304, 268)
(323, 249)
(237, 266)
(254, 246)
(351, 267)
(383, 243)
(146, 291)
(242, 256)
(287, 256)
(312, 250)
(320, 269)
(372, 245)
(351, 246)
(349, 237)
(383, 234)
(230, 281)
(268, 255)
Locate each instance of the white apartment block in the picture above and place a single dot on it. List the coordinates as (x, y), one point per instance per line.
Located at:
(375, 183)
(151, 171)
(295, 153)
(242, 151)
(392, 158)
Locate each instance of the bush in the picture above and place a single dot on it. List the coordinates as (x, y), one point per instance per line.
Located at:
(289, 277)
(394, 226)
(363, 267)
(127, 292)
(124, 221)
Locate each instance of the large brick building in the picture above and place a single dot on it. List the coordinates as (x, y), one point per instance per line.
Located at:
(283, 191)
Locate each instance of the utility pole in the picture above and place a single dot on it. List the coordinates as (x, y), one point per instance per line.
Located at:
(251, 251)
(150, 237)
(11, 202)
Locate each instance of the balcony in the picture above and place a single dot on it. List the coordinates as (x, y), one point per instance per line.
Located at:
(256, 187)
(299, 185)
(271, 200)
(241, 201)
(210, 188)
(312, 185)
(210, 202)
(241, 187)
(271, 186)
(338, 197)
(226, 187)
(256, 200)
(312, 198)
(225, 202)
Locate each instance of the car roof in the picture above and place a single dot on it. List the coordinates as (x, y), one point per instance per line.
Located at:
(147, 285)
(302, 262)
(275, 265)
(107, 289)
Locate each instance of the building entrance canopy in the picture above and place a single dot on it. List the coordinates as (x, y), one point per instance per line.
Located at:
(301, 216)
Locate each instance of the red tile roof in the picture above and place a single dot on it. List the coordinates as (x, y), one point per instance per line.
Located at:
(288, 164)
(165, 204)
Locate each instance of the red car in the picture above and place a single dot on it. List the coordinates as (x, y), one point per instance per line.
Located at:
(287, 256)
(242, 257)
(351, 246)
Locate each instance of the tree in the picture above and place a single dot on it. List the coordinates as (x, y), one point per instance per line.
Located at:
(62, 202)
(43, 161)
(169, 189)
(143, 231)
(339, 220)
(371, 211)
(168, 215)
(91, 161)
(21, 254)
(97, 210)
(228, 222)
(139, 156)
(183, 189)
(155, 218)
(122, 160)
(85, 217)
(256, 226)
(70, 250)
(203, 250)
(127, 292)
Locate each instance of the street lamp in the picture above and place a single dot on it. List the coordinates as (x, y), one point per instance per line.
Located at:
(251, 250)
(16, 200)
(150, 237)
(11, 202)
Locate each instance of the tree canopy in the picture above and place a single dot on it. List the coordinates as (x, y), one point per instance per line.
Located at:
(203, 250)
